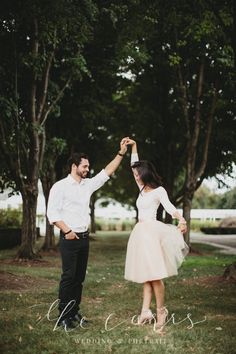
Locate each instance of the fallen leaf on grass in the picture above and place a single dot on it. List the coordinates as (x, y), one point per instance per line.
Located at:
(39, 318)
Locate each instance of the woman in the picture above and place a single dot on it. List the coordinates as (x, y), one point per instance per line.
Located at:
(155, 250)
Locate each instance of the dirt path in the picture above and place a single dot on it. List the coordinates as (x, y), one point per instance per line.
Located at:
(22, 283)
(227, 243)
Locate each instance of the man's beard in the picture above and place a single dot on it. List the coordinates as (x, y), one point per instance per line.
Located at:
(82, 174)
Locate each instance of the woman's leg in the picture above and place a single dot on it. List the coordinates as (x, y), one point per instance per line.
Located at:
(146, 314)
(147, 296)
(159, 291)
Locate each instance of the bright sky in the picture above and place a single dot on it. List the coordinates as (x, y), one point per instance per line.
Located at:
(212, 183)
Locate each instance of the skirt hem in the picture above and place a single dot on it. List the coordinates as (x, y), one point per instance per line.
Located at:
(155, 251)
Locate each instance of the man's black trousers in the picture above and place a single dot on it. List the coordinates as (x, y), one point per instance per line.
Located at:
(74, 254)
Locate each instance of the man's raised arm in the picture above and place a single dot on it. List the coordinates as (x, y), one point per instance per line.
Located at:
(113, 165)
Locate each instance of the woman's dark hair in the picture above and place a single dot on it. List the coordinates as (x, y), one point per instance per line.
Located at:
(76, 158)
(147, 173)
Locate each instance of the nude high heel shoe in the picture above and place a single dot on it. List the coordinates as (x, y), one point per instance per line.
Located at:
(146, 316)
(162, 314)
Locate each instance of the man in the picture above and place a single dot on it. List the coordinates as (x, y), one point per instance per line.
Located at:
(68, 209)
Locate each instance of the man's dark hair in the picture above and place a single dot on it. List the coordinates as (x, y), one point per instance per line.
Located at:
(76, 158)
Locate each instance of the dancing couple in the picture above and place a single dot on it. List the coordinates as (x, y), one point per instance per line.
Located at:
(155, 250)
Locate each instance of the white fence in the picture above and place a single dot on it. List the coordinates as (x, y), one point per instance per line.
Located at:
(212, 214)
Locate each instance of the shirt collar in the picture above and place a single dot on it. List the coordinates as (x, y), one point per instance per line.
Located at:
(71, 180)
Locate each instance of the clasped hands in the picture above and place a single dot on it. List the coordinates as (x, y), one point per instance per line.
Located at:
(124, 143)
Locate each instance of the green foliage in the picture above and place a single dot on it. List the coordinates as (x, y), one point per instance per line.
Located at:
(5, 182)
(42, 46)
(205, 199)
(118, 63)
(227, 200)
(54, 149)
(151, 99)
(10, 218)
(174, 59)
(114, 225)
(196, 225)
(144, 44)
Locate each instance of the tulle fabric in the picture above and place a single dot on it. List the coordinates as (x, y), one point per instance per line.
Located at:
(155, 251)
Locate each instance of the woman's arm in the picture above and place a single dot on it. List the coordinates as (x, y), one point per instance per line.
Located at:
(134, 154)
(134, 157)
(182, 225)
(134, 151)
(171, 209)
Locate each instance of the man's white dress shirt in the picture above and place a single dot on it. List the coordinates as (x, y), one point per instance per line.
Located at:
(69, 200)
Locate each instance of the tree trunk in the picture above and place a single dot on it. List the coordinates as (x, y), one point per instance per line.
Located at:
(194, 168)
(234, 41)
(49, 241)
(187, 206)
(48, 179)
(28, 234)
(35, 107)
(92, 214)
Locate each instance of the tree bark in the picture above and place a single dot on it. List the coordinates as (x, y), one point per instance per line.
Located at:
(49, 241)
(187, 206)
(48, 178)
(36, 118)
(28, 234)
(194, 170)
(92, 214)
(23, 140)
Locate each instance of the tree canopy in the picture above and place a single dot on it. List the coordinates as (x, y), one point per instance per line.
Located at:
(90, 72)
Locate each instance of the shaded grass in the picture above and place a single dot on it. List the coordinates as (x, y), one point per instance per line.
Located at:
(196, 291)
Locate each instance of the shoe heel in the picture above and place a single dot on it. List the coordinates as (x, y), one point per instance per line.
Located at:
(162, 314)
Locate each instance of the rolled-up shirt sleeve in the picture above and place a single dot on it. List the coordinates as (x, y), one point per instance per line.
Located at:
(98, 181)
(134, 158)
(55, 202)
(164, 200)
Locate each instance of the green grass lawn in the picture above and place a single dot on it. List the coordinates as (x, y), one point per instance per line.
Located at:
(196, 294)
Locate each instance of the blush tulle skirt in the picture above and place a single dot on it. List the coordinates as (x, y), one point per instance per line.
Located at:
(155, 251)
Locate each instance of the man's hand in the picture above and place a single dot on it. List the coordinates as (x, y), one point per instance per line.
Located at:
(130, 142)
(113, 165)
(71, 236)
(123, 145)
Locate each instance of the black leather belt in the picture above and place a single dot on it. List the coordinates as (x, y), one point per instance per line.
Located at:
(84, 234)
